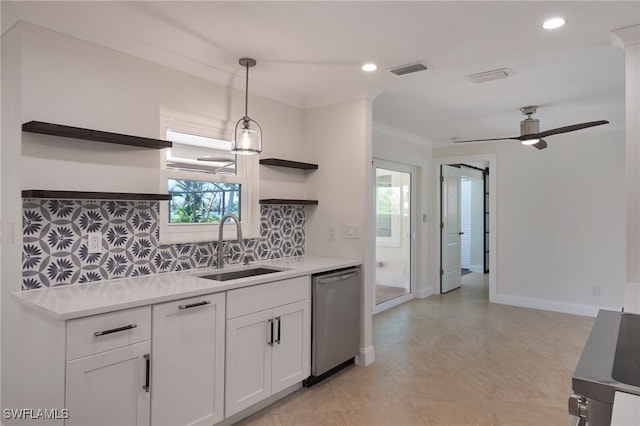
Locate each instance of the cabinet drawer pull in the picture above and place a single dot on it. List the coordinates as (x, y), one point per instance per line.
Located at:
(270, 342)
(147, 375)
(193, 305)
(278, 339)
(115, 330)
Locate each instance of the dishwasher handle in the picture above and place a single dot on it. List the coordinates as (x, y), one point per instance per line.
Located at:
(337, 278)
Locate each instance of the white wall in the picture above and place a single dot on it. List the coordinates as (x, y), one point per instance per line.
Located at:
(338, 139)
(628, 39)
(560, 220)
(395, 146)
(11, 208)
(73, 82)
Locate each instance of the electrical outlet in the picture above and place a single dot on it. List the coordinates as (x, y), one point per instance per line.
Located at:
(94, 242)
(332, 232)
(595, 290)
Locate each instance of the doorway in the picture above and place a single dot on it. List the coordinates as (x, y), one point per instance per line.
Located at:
(467, 240)
(393, 201)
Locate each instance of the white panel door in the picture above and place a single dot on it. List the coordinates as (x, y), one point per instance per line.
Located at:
(248, 356)
(291, 360)
(108, 388)
(451, 275)
(188, 361)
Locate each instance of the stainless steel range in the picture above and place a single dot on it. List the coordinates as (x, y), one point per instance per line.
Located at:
(610, 362)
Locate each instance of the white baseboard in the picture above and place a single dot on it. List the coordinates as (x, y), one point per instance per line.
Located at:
(366, 356)
(423, 293)
(550, 305)
(477, 268)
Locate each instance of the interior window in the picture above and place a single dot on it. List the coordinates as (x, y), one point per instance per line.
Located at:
(205, 181)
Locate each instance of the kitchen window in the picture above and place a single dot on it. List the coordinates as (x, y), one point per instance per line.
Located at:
(205, 180)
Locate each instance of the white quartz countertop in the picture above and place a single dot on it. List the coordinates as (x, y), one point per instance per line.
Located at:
(79, 300)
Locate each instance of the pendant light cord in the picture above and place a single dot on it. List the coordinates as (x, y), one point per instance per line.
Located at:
(246, 94)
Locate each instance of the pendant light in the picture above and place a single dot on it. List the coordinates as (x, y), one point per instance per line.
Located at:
(248, 134)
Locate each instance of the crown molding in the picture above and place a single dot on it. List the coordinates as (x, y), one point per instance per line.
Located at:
(401, 134)
(627, 36)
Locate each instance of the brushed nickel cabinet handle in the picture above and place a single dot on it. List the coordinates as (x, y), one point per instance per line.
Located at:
(115, 330)
(193, 305)
(147, 374)
(270, 342)
(278, 339)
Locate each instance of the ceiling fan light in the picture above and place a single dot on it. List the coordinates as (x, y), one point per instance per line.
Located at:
(530, 141)
(369, 67)
(553, 23)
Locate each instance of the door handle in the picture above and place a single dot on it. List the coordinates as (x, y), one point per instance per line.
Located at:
(461, 233)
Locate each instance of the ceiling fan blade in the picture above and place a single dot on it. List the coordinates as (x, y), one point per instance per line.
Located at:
(540, 145)
(571, 128)
(486, 140)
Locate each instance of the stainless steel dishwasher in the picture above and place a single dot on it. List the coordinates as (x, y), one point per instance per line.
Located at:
(335, 321)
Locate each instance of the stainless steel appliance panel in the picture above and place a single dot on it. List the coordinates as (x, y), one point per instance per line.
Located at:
(336, 319)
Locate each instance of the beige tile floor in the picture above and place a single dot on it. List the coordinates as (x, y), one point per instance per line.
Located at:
(453, 359)
(385, 293)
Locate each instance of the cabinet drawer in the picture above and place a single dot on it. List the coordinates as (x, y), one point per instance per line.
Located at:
(98, 333)
(266, 296)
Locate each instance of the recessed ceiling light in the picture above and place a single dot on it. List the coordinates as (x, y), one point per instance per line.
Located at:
(553, 23)
(369, 67)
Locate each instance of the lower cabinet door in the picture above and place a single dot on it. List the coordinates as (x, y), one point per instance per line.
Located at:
(248, 372)
(109, 388)
(188, 361)
(291, 361)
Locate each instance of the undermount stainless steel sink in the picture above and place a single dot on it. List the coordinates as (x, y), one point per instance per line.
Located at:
(240, 273)
(626, 362)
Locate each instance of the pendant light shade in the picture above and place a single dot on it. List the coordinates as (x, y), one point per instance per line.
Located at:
(248, 134)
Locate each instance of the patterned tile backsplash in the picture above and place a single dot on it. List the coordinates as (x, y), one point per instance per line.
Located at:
(55, 241)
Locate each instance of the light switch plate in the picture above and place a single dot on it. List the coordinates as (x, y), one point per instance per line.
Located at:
(351, 230)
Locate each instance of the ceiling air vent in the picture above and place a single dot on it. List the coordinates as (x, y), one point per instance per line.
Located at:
(482, 77)
(407, 69)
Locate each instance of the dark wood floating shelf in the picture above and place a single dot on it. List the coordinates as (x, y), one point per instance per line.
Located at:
(93, 135)
(87, 195)
(289, 202)
(286, 163)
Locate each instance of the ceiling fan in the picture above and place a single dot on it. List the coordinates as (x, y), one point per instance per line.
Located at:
(530, 133)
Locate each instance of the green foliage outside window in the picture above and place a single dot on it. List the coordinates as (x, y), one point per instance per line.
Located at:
(197, 201)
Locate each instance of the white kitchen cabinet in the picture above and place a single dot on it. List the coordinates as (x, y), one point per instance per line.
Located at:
(291, 351)
(248, 361)
(108, 388)
(268, 341)
(188, 361)
(107, 374)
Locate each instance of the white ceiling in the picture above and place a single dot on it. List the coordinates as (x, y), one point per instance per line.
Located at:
(310, 53)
